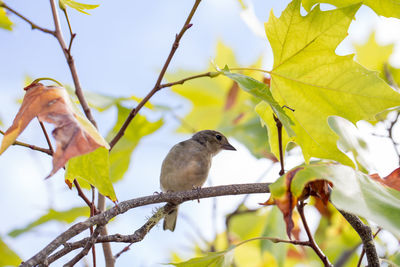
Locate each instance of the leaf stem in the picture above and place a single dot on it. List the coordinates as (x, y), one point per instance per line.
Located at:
(47, 78)
(156, 87)
(281, 157)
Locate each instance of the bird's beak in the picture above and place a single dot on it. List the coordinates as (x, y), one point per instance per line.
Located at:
(228, 146)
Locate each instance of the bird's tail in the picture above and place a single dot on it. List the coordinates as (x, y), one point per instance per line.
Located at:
(170, 219)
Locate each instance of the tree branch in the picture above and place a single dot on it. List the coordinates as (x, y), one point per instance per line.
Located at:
(182, 81)
(33, 25)
(363, 250)
(390, 135)
(46, 136)
(311, 241)
(108, 255)
(91, 241)
(365, 234)
(174, 197)
(71, 64)
(156, 87)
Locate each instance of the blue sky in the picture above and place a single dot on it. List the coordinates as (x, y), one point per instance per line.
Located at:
(119, 50)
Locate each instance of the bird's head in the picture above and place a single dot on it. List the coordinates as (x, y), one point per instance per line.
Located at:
(214, 141)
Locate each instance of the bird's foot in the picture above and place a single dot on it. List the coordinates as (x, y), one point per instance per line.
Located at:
(157, 193)
(197, 188)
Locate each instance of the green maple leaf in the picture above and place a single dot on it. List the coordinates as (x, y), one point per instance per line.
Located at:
(209, 97)
(220, 104)
(310, 78)
(92, 168)
(376, 57)
(372, 55)
(387, 8)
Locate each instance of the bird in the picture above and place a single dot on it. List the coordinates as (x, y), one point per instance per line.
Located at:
(187, 164)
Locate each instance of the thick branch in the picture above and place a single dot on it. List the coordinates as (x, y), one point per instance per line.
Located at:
(33, 25)
(156, 87)
(367, 239)
(174, 197)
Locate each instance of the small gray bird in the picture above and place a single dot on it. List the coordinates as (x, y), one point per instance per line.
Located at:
(187, 164)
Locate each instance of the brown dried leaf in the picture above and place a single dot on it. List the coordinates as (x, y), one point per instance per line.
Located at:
(287, 202)
(317, 188)
(392, 180)
(74, 134)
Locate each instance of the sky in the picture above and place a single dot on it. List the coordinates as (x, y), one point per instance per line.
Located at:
(119, 50)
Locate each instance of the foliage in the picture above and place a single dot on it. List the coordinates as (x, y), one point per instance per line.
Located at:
(307, 71)
(8, 257)
(121, 153)
(75, 5)
(67, 216)
(387, 8)
(5, 22)
(311, 97)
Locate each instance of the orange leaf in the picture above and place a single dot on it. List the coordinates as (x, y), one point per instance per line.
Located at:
(74, 136)
(392, 180)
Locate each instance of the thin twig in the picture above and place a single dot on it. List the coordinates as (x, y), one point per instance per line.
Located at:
(33, 25)
(46, 136)
(33, 147)
(182, 81)
(365, 234)
(312, 243)
(71, 64)
(72, 35)
(363, 250)
(173, 197)
(92, 213)
(83, 196)
(156, 87)
(390, 135)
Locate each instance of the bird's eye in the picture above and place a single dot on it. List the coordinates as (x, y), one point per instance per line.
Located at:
(219, 137)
